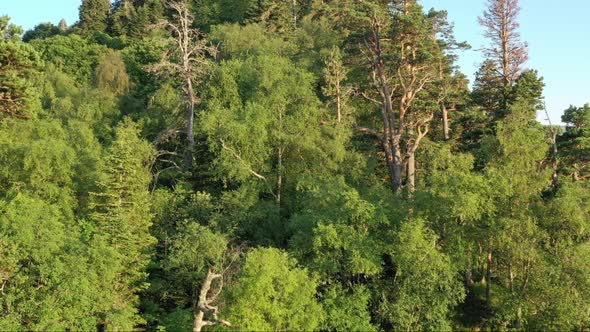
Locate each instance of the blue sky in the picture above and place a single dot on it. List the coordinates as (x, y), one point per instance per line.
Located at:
(557, 33)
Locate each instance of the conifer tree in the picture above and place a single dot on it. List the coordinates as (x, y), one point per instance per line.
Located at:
(94, 15)
(19, 66)
(121, 211)
(574, 143)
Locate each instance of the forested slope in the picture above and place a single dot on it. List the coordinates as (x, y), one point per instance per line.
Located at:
(285, 165)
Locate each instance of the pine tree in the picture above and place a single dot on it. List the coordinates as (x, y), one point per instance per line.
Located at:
(121, 211)
(94, 15)
(121, 17)
(19, 66)
(574, 143)
(506, 51)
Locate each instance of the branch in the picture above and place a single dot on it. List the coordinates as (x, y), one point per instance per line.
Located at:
(369, 131)
(237, 156)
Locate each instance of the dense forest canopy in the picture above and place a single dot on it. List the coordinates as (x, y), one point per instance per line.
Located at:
(285, 165)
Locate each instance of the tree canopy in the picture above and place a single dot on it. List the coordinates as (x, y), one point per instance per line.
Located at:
(292, 165)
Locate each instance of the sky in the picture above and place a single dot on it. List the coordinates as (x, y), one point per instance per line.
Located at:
(557, 33)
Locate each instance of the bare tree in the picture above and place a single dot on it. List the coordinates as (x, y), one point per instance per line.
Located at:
(507, 51)
(335, 75)
(190, 58)
(206, 313)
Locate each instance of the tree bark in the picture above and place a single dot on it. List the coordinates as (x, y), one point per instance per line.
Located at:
(190, 136)
(488, 279)
(204, 304)
(411, 172)
(445, 118)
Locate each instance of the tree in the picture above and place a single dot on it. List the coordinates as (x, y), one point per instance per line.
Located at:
(272, 293)
(189, 59)
(196, 255)
(62, 25)
(94, 15)
(574, 143)
(111, 74)
(506, 55)
(72, 54)
(43, 30)
(49, 278)
(19, 67)
(122, 14)
(335, 88)
(425, 288)
(9, 31)
(263, 122)
(519, 181)
(507, 52)
(403, 54)
(121, 212)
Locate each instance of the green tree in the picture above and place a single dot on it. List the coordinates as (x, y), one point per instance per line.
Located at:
(94, 15)
(40, 31)
(188, 59)
(574, 143)
(71, 54)
(50, 279)
(19, 67)
(110, 74)
(425, 288)
(121, 16)
(263, 122)
(271, 293)
(121, 211)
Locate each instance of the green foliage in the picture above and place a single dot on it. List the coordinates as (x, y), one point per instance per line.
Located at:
(271, 293)
(338, 233)
(50, 279)
(71, 54)
(425, 287)
(347, 310)
(574, 143)
(111, 76)
(9, 31)
(19, 67)
(94, 15)
(36, 159)
(121, 211)
(192, 251)
(102, 228)
(41, 31)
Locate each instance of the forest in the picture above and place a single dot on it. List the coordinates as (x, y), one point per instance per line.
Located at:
(285, 165)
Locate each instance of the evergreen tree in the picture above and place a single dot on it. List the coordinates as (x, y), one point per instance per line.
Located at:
(19, 67)
(121, 16)
(121, 211)
(574, 143)
(94, 16)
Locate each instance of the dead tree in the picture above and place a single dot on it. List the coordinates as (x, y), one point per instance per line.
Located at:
(190, 58)
(508, 53)
(206, 312)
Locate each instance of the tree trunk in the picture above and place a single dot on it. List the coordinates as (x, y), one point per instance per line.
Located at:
(338, 102)
(445, 118)
(280, 177)
(190, 136)
(397, 164)
(489, 281)
(200, 313)
(204, 304)
(411, 172)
